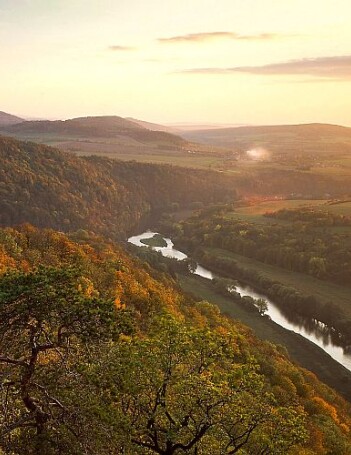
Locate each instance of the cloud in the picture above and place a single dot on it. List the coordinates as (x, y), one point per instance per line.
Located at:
(121, 48)
(210, 36)
(338, 67)
(261, 37)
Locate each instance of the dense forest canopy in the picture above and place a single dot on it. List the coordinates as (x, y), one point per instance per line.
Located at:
(102, 354)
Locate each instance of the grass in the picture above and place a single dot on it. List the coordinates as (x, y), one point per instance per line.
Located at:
(156, 241)
(254, 213)
(272, 206)
(300, 350)
(179, 159)
(203, 289)
(306, 284)
(339, 208)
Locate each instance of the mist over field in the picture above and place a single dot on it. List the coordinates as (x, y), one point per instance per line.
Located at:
(258, 154)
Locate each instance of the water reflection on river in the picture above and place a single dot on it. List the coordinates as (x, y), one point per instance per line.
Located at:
(311, 329)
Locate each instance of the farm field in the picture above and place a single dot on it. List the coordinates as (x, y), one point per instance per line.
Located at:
(339, 208)
(255, 213)
(309, 174)
(179, 159)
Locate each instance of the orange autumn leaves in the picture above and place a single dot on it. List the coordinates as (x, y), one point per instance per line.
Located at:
(138, 289)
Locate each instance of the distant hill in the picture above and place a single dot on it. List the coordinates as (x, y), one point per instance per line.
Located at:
(8, 119)
(184, 127)
(154, 126)
(87, 126)
(114, 128)
(314, 137)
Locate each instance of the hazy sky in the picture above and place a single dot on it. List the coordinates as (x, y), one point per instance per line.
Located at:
(224, 61)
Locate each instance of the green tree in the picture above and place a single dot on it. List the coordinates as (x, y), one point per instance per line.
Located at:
(184, 391)
(317, 266)
(46, 318)
(262, 305)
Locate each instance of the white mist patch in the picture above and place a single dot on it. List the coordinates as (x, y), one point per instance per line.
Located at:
(258, 154)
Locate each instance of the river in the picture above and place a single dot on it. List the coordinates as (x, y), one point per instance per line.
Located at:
(312, 329)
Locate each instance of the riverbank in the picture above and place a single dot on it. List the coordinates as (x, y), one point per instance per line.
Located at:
(300, 350)
(324, 291)
(312, 355)
(288, 292)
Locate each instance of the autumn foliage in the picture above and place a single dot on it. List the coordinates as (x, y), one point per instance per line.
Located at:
(101, 354)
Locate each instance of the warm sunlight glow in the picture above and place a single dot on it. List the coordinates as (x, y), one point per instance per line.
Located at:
(229, 61)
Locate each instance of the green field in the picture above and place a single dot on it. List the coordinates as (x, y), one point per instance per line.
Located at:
(282, 175)
(179, 159)
(272, 206)
(286, 140)
(128, 149)
(306, 284)
(254, 213)
(340, 208)
(322, 174)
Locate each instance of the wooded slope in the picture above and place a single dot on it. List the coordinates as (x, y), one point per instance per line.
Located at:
(101, 354)
(50, 188)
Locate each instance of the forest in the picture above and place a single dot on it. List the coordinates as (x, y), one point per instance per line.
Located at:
(175, 227)
(54, 189)
(308, 241)
(305, 244)
(101, 353)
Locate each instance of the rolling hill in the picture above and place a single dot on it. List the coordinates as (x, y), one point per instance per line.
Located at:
(154, 126)
(8, 119)
(104, 133)
(314, 138)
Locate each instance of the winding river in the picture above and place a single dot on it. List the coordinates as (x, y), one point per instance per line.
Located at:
(312, 329)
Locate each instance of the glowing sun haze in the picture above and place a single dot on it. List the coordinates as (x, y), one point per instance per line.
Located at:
(220, 61)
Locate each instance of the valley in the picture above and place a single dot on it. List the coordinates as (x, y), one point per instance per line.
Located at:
(175, 227)
(298, 162)
(299, 334)
(270, 264)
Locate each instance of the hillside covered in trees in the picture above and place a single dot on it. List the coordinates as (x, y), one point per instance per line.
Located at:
(101, 354)
(50, 188)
